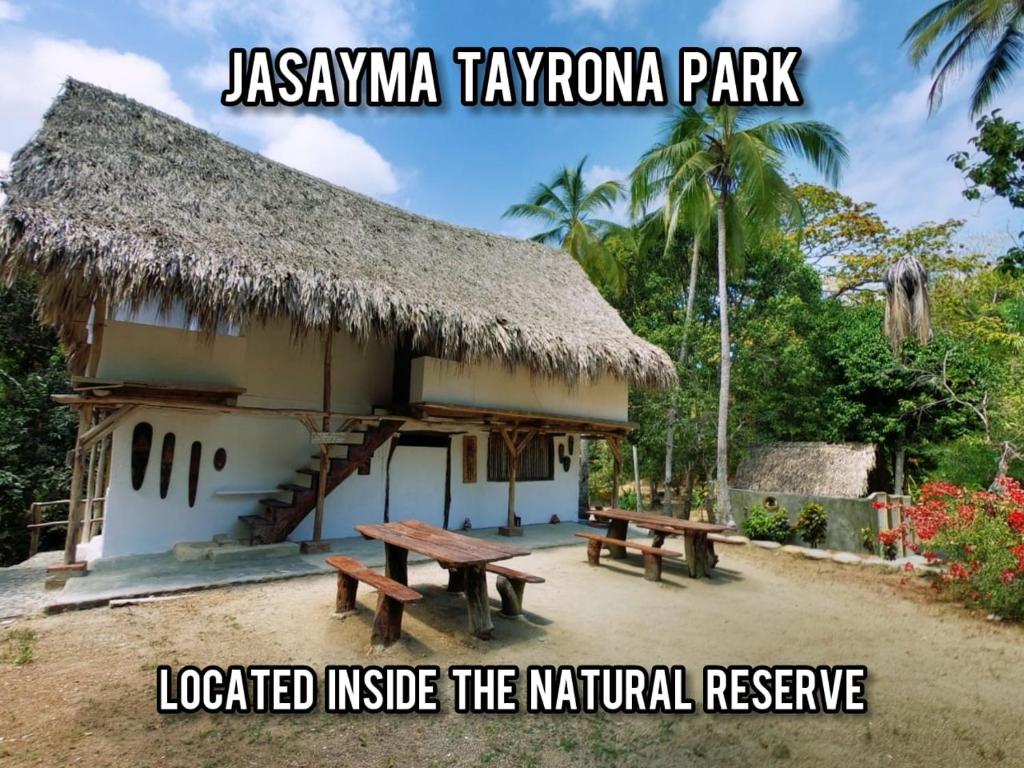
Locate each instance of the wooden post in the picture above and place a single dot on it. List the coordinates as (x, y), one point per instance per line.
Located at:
(613, 444)
(75, 494)
(35, 517)
(636, 481)
(515, 442)
(99, 323)
(325, 459)
(90, 486)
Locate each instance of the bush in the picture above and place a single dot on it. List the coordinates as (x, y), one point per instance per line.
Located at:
(627, 500)
(812, 525)
(980, 535)
(767, 525)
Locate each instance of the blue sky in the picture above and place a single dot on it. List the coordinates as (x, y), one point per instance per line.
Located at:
(467, 164)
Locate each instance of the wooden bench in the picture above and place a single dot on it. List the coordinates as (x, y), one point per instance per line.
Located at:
(511, 584)
(652, 555)
(393, 595)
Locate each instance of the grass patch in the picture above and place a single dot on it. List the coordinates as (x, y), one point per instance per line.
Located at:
(19, 647)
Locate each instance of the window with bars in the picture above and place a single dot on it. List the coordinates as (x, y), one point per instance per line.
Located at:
(536, 462)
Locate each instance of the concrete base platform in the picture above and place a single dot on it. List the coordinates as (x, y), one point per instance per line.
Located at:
(188, 551)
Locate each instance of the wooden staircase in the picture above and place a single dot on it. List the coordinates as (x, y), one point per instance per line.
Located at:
(279, 518)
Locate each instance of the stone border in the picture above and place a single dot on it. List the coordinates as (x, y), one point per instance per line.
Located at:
(919, 564)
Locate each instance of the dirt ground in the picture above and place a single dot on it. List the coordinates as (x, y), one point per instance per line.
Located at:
(945, 685)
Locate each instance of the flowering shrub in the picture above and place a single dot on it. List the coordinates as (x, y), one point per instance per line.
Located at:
(980, 535)
(890, 540)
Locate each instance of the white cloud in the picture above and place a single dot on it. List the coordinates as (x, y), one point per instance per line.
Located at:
(809, 25)
(37, 66)
(898, 158)
(319, 147)
(605, 10)
(598, 174)
(213, 75)
(10, 12)
(302, 23)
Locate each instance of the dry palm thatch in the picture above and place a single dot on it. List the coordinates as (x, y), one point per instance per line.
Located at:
(907, 312)
(115, 198)
(812, 469)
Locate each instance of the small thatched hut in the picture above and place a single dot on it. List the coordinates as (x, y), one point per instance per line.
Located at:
(200, 289)
(844, 478)
(811, 469)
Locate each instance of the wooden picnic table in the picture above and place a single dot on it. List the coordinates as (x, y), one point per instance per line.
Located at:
(465, 558)
(697, 548)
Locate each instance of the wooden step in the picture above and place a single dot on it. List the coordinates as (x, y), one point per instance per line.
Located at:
(294, 487)
(308, 471)
(255, 521)
(276, 503)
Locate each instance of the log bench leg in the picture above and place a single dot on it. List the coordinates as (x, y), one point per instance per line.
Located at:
(456, 580)
(657, 539)
(652, 567)
(345, 605)
(511, 591)
(396, 563)
(387, 624)
(618, 529)
(593, 552)
(477, 602)
(696, 550)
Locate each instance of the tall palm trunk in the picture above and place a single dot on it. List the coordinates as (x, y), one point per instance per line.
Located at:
(673, 412)
(722, 455)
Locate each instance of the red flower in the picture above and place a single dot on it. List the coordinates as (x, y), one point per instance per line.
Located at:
(879, 504)
(1016, 520)
(908, 567)
(1008, 576)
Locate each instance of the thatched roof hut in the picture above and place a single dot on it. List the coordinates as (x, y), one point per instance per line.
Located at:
(811, 469)
(112, 198)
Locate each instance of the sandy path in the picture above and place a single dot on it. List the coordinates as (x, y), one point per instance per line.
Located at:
(945, 686)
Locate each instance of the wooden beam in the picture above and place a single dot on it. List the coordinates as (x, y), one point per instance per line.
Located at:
(325, 461)
(104, 427)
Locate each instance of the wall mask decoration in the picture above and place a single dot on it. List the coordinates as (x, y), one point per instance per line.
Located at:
(194, 460)
(166, 463)
(142, 444)
(572, 445)
(469, 458)
(220, 459)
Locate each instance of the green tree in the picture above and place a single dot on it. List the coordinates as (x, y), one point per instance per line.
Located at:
(997, 166)
(719, 163)
(970, 28)
(569, 210)
(36, 433)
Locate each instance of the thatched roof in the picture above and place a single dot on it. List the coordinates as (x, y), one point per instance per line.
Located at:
(813, 469)
(115, 197)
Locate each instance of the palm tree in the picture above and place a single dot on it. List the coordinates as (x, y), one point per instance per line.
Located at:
(568, 207)
(973, 27)
(720, 163)
(644, 191)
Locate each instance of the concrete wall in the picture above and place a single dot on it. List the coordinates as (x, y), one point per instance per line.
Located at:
(846, 516)
(492, 385)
